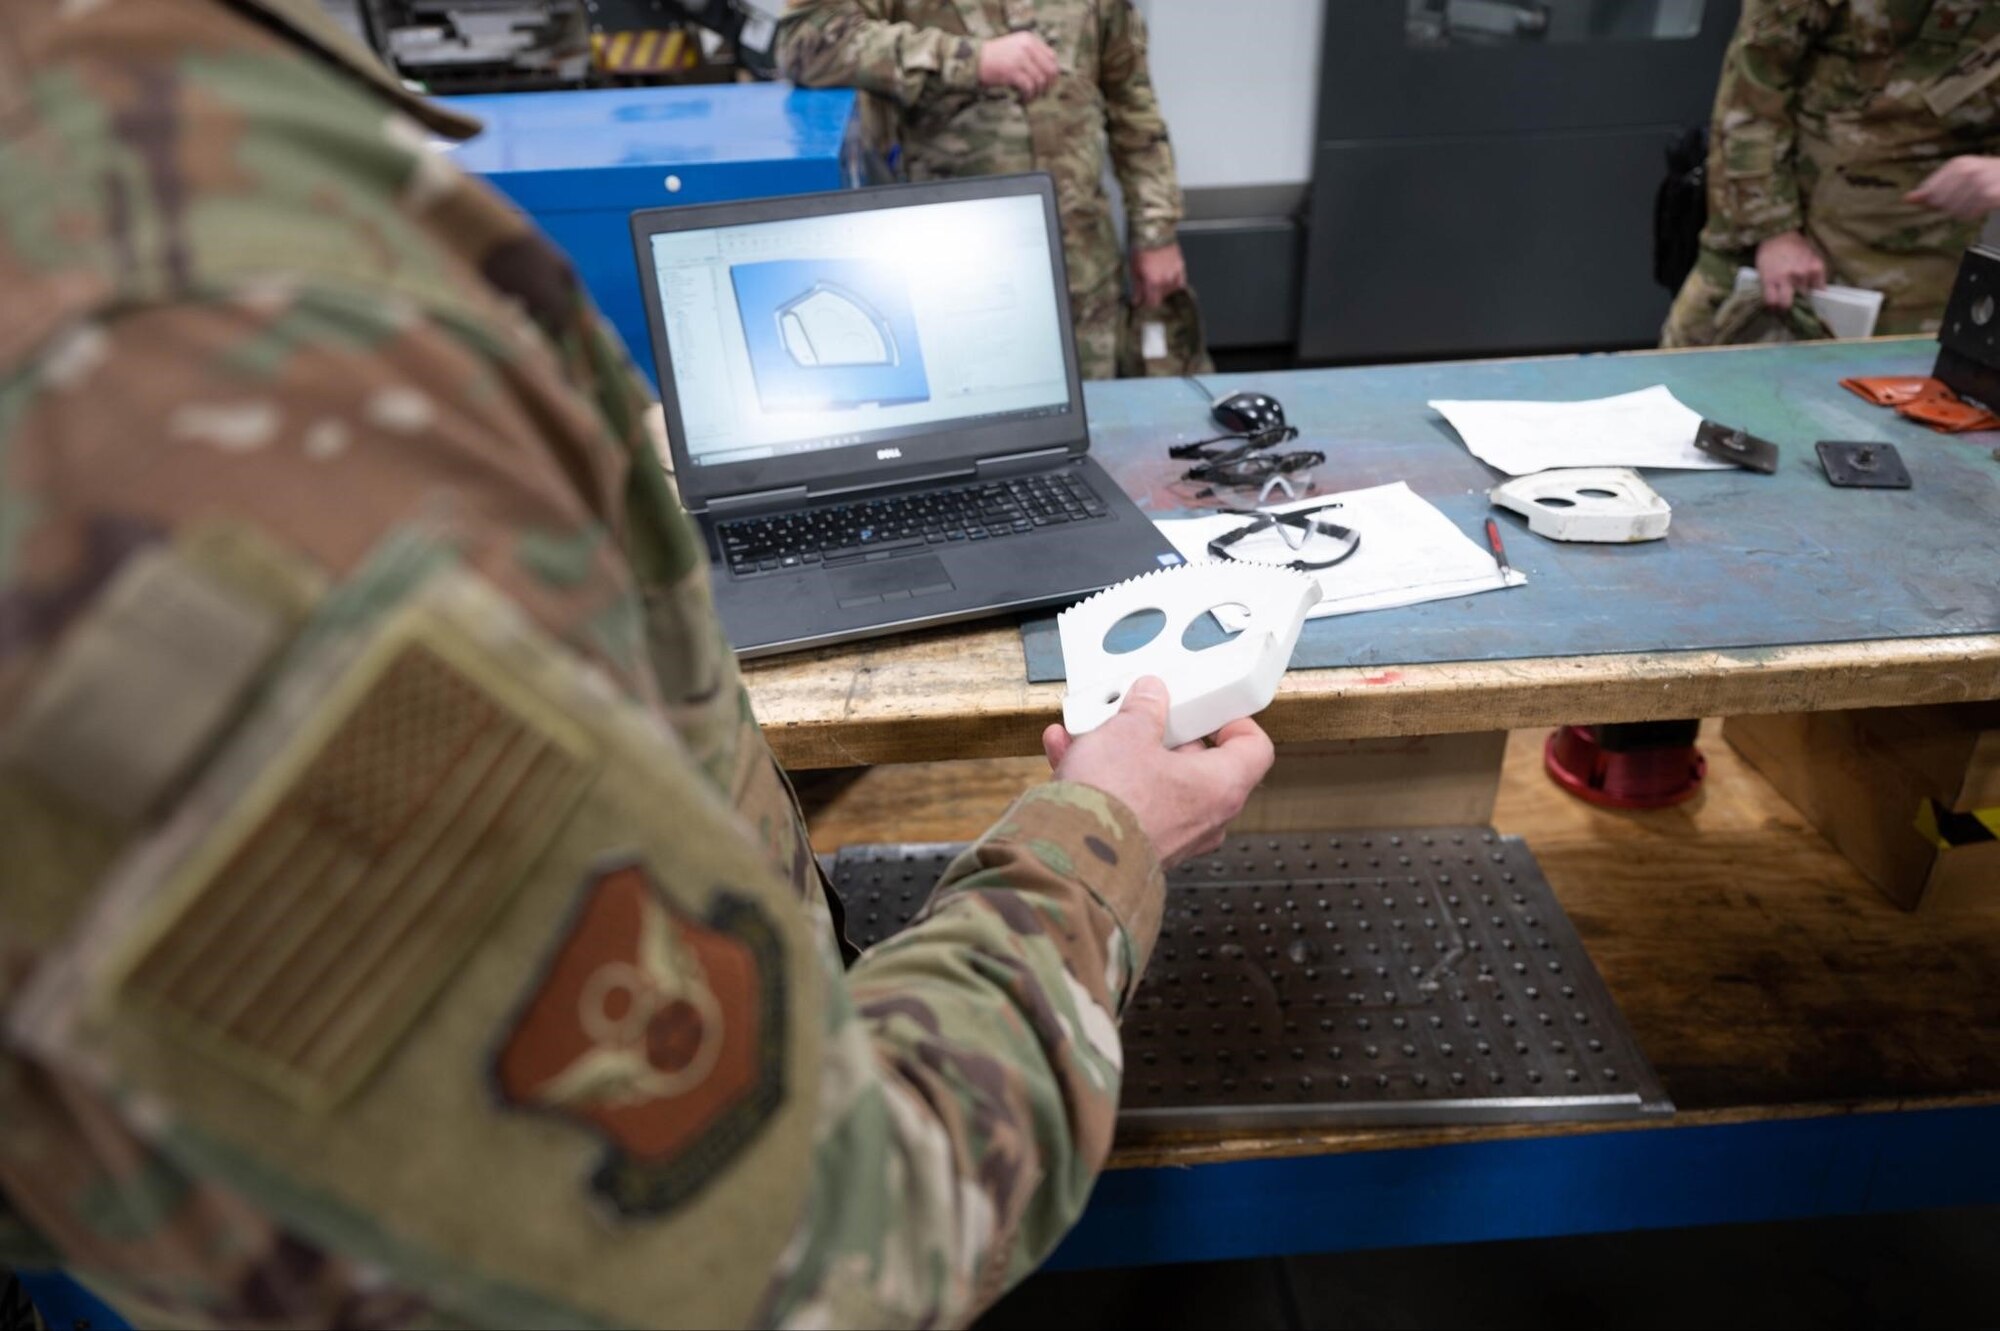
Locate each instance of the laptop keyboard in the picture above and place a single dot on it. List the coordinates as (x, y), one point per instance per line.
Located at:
(876, 528)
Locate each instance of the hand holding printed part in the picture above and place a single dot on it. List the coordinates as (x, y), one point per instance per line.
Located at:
(1184, 798)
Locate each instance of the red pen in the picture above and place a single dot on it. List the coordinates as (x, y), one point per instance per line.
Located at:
(1499, 550)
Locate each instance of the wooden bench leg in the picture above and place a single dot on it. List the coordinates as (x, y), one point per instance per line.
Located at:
(1907, 794)
(1415, 781)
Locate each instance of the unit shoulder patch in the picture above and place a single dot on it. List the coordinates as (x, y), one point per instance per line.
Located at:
(663, 1033)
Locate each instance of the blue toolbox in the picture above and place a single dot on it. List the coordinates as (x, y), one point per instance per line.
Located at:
(580, 163)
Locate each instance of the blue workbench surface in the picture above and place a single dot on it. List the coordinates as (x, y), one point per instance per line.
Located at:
(1750, 562)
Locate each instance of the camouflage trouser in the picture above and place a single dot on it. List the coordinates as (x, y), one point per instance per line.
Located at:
(1704, 313)
(1108, 329)
(1165, 340)
(1855, 214)
(1708, 313)
(1097, 315)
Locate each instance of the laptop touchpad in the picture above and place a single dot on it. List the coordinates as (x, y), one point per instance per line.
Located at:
(891, 580)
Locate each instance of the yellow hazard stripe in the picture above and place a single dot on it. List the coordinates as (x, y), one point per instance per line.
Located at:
(651, 51)
(1945, 830)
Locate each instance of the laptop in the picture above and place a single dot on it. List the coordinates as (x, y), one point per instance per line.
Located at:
(874, 410)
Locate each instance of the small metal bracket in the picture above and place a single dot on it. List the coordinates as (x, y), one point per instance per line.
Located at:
(1870, 465)
(1741, 447)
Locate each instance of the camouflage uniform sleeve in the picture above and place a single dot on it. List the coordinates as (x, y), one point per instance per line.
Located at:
(1753, 190)
(967, 1074)
(970, 1104)
(1141, 153)
(857, 44)
(310, 423)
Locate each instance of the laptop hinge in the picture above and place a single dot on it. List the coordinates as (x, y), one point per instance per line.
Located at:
(783, 496)
(1013, 462)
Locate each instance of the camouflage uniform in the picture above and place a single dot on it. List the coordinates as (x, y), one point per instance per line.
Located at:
(923, 56)
(1828, 113)
(403, 918)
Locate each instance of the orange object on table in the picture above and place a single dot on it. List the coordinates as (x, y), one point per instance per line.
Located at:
(1893, 390)
(1951, 414)
(1923, 400)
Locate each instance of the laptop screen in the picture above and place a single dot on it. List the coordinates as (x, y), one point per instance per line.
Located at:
(811, 333)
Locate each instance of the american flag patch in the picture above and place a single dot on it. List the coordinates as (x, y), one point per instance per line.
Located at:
(336, 915)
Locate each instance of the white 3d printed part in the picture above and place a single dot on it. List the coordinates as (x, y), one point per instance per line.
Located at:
(1206, 689)
(1610, 504)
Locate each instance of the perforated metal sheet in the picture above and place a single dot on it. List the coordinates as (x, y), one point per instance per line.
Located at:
(1307, 979)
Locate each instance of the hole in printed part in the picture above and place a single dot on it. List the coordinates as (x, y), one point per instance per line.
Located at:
(1199, 629)
(1134, 631)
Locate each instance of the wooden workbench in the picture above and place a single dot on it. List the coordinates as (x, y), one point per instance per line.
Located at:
(1826, 1051)
(963, 693)
(1761, 974)
(1801, 1023)
(1893, 606)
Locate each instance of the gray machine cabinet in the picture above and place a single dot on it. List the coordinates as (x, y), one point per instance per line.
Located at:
(1483, 194)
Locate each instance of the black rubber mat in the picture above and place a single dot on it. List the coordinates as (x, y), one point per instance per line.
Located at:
(1308, 979)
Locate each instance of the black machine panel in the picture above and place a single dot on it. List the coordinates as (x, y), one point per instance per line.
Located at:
(1484, 173)
(1969, 339)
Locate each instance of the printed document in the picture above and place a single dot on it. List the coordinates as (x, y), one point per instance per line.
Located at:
(1409, 552)
(1649, 428)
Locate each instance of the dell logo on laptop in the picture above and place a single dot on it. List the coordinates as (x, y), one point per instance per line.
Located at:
(884, 454)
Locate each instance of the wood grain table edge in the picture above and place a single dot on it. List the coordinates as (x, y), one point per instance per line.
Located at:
(963, 693)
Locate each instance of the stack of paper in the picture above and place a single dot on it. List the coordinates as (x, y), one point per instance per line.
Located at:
(1649, 428)
(1409, 552)
(1846, 311)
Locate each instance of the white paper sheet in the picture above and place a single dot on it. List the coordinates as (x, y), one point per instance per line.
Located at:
(1409, 552)
(1649, 428)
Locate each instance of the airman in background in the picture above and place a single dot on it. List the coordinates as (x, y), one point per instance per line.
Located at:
(1851, 143)
(995, 87)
